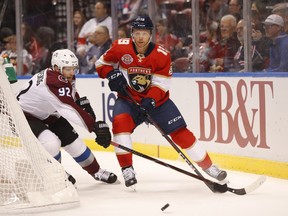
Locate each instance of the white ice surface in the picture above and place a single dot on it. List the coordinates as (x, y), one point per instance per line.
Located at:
(158, 185)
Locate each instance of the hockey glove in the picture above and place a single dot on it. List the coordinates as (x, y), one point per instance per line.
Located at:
(117, 81)
(84, 103)
(103, 135)
(146, 107)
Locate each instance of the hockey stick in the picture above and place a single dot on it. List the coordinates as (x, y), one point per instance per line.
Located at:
(216, 186)
(210, 186)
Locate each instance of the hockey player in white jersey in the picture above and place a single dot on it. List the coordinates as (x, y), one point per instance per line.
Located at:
(50, 101)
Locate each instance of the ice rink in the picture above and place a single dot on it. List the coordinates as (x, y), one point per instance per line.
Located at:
(158, 185)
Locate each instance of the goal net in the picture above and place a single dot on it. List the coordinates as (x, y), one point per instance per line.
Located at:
(29, 177)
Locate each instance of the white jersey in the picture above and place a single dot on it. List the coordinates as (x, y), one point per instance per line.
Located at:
(49, 94)
(90, 26)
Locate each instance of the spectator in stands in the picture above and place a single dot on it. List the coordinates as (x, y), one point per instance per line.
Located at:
(235, 9)
(217, 9)
(46, 37)
(101, 18)
(30, 42)
(11, 51)
(79, 20)
(166, 39)
(101, 43)
(224, 59)
(5, 32)
(87, 7)
(259, 12)
(123, 32)
(203, 9)
(127, 7)
(132, 9)
(281, 9)
(210, 45)
(278, 51)
(258, 58)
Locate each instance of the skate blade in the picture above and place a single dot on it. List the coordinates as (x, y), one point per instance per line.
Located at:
(133, 188)
(75, 186)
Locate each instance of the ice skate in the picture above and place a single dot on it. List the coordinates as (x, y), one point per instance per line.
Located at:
(216, 173)
(129, 176)
(105, 176)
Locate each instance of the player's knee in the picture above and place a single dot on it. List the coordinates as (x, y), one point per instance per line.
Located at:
(183, 138)
(50, 142)
(123, 123)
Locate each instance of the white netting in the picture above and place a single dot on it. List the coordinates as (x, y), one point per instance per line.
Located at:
(29, 176)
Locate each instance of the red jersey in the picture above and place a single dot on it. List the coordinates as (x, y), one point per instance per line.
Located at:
(168, 41)
(147, 75)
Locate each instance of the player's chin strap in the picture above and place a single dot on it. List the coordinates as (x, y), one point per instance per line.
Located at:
(210, 186)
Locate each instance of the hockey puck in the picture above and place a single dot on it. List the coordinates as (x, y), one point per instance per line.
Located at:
(165, 206)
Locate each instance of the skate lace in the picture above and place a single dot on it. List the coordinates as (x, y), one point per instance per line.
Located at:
(213, 170)
(102, 174)
(128, 173)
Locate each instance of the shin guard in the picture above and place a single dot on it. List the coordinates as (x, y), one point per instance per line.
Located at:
(83, 156)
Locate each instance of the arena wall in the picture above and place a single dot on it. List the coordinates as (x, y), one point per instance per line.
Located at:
(242, 119)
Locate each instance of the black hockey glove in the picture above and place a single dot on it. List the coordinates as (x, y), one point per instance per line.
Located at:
(146, 107)
(103, 135)
(117, 81)
(84, 103)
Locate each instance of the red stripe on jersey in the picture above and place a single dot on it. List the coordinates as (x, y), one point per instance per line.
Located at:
(103, 70)
(119, 127)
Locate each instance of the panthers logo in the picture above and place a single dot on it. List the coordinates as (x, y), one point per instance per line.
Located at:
(140, 82)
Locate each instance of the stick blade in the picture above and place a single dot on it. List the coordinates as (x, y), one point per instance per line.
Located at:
(250, 188)
(256, 184)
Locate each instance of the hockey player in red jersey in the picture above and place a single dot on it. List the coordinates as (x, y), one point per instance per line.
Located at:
(143, 69)
(50, 101)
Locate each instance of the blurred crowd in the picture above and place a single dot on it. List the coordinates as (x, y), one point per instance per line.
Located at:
(221, 24)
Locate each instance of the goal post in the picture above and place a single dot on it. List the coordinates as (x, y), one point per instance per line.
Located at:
(30, 178)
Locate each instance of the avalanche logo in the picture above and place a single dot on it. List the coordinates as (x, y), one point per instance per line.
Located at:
(62, 79)
(127, 59)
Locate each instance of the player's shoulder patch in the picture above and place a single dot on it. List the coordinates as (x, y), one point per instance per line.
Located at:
(61, 78)
(55, 79)
(127, 59)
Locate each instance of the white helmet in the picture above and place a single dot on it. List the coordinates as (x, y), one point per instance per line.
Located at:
(64, 58)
